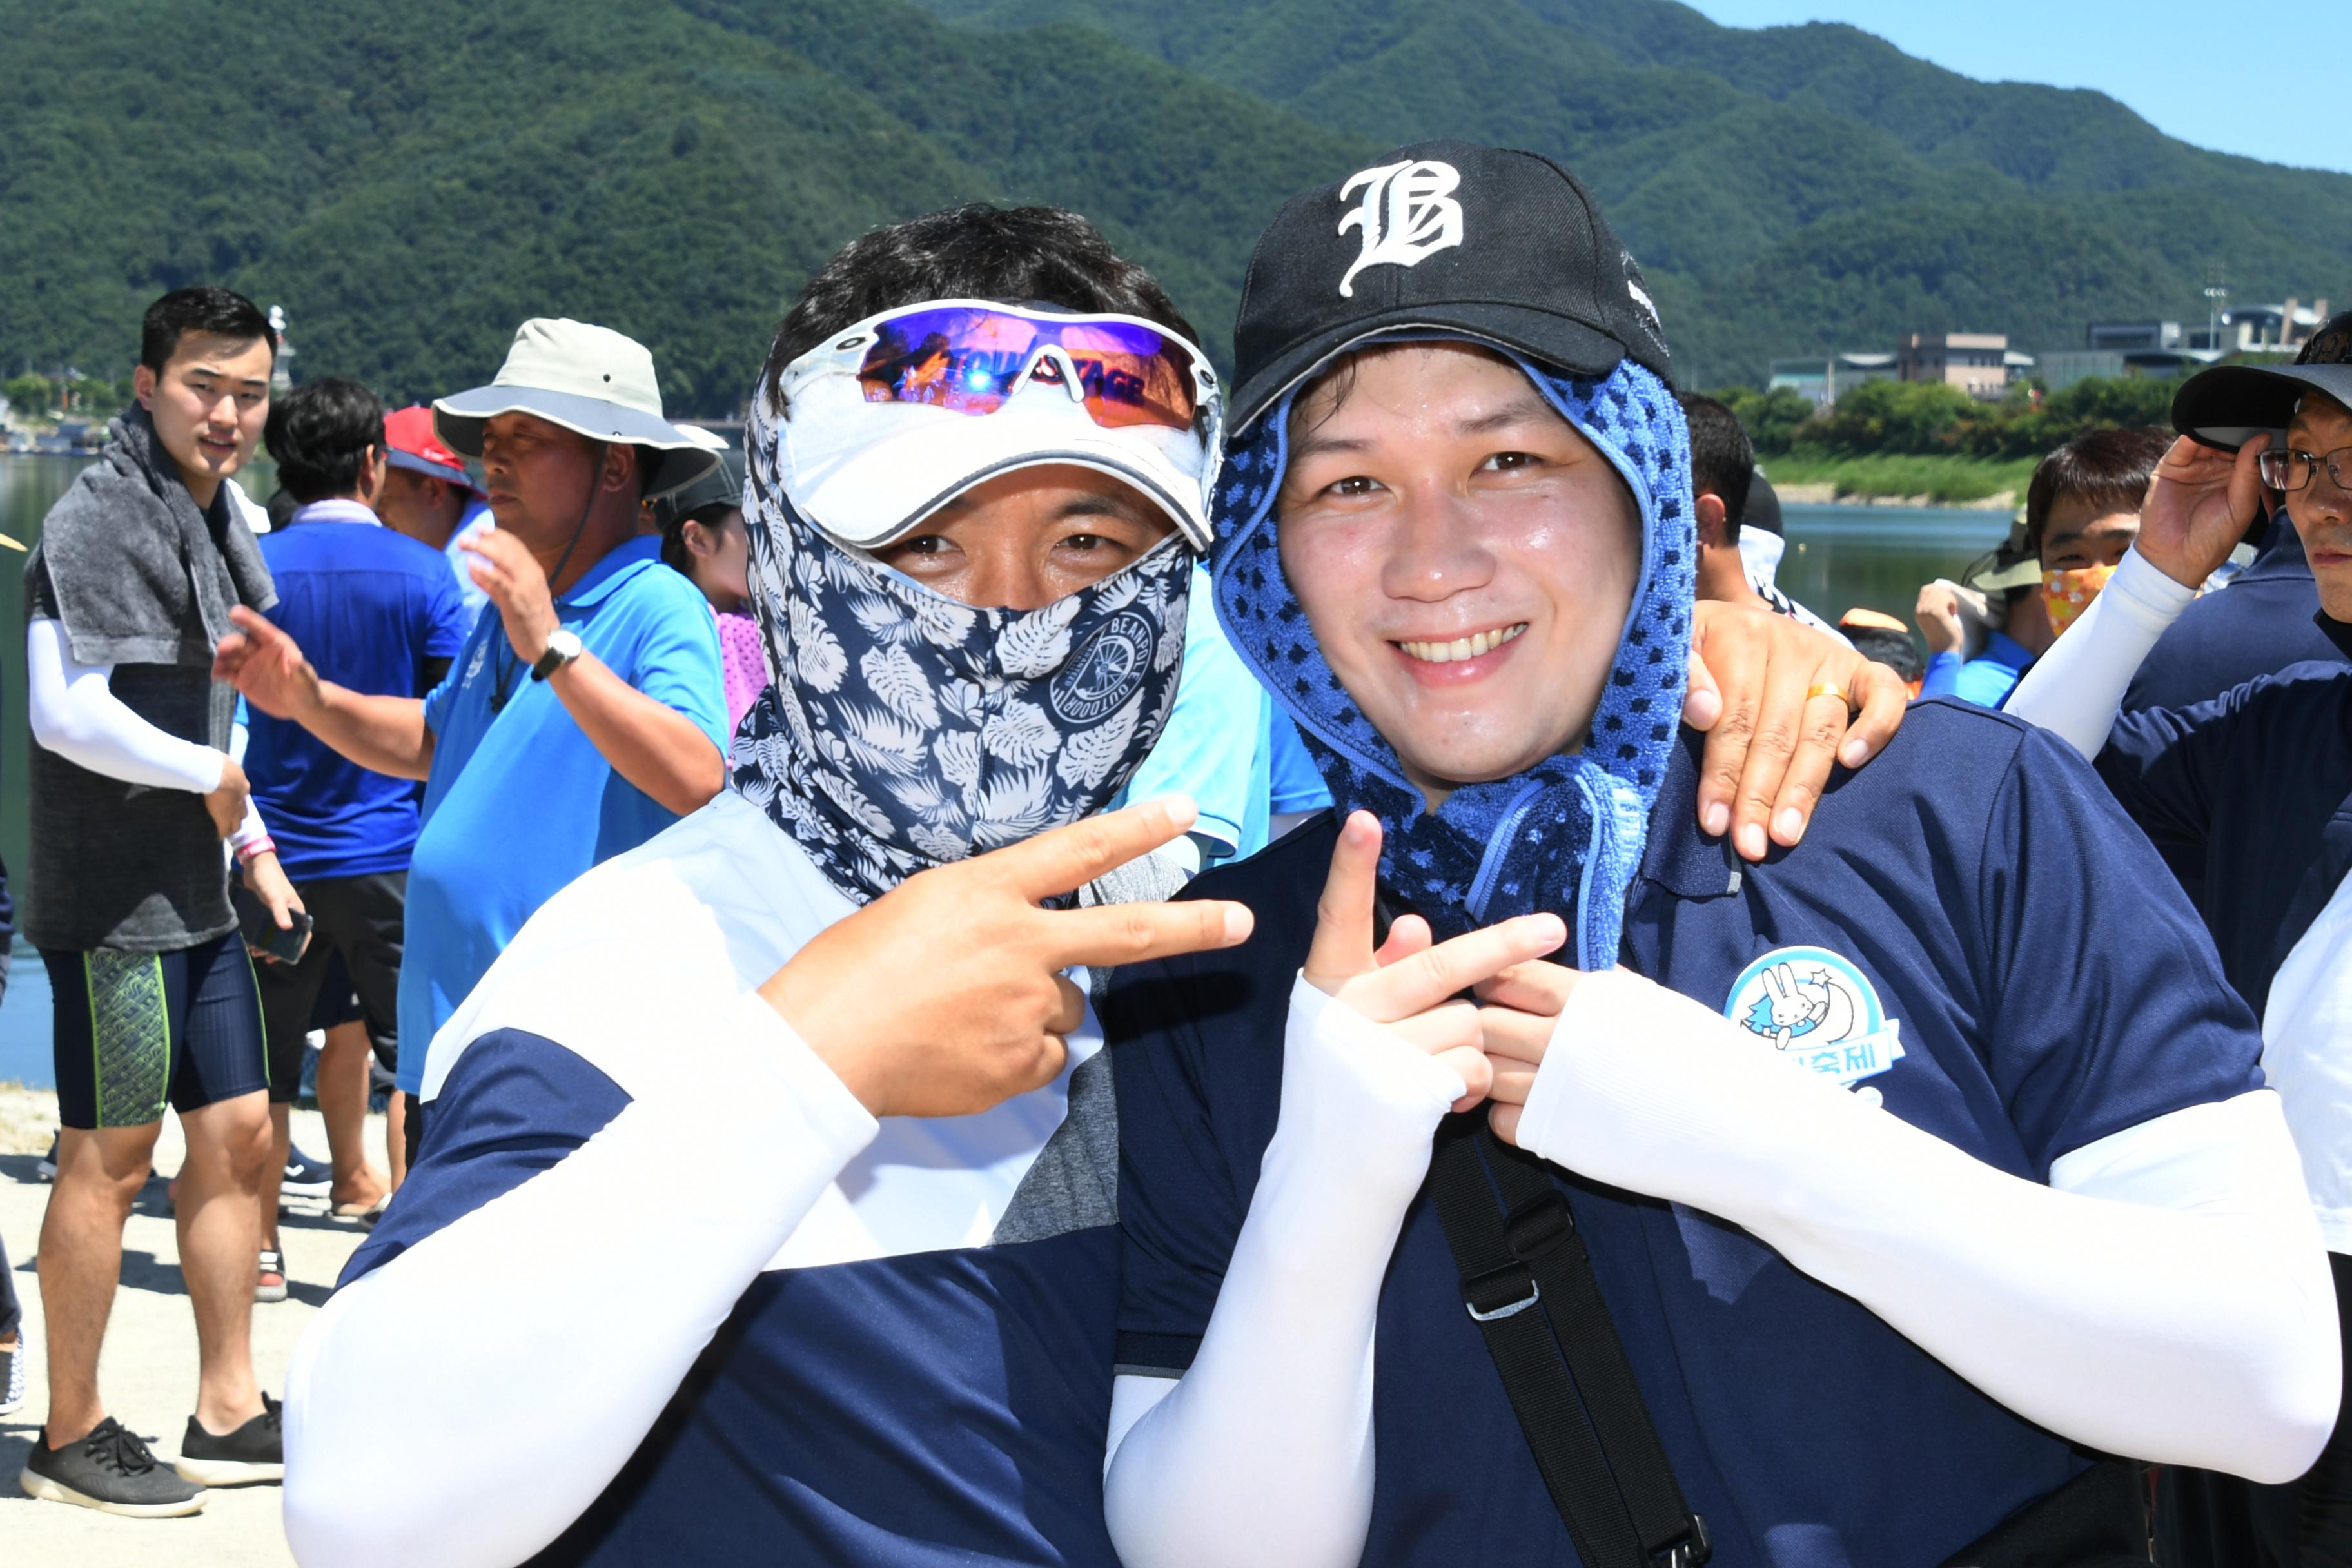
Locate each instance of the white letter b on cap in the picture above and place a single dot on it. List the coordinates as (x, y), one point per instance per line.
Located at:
(1408, 213)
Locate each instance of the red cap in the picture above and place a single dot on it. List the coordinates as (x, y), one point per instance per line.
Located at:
(415, 447)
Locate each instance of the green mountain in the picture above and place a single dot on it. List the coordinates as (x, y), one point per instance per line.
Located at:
(1788, 189)
(411, 183)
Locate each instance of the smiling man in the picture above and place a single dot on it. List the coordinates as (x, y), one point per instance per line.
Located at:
(139, 567)
(581, 719)
(1896, 1226)
(2248, 796)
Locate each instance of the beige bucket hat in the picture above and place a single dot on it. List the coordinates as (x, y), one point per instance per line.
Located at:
(591, 380)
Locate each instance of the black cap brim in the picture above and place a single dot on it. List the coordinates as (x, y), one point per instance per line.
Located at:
(2228, 404)
(1558, 341)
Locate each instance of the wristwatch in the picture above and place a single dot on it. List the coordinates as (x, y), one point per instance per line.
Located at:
(562, 648)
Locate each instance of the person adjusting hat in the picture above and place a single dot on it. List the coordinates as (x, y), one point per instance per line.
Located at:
(1814, 1209)
(580, 718)
(2268, 620)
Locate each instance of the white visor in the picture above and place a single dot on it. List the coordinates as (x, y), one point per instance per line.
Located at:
(868, 473)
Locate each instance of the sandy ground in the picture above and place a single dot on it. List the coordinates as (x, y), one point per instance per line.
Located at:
(149, 1369)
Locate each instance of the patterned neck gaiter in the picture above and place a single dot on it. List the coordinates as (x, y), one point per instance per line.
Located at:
(2066, 594)
(1567, 835)
(902, 730)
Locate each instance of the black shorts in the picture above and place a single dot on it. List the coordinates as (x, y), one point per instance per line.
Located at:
(339, 999)
(131, 1031)
(356, 927)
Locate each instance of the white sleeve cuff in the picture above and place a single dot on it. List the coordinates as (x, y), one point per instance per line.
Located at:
(1359, 1106)
(2152, 600)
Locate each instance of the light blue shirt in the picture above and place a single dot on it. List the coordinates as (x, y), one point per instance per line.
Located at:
(475, 518)
(1224, 741)
(1986, 680)
(518, 801)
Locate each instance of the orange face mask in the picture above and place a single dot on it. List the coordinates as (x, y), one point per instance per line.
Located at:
(2066, 594)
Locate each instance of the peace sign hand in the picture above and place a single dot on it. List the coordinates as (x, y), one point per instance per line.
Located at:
(946, 994)
(1409, 985)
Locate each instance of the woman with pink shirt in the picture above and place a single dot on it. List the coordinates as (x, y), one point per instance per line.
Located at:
(702, 536)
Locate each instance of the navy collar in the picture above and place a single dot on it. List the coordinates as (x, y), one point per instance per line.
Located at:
(1680, 858)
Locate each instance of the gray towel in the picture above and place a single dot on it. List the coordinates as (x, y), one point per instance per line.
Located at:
(140, 574)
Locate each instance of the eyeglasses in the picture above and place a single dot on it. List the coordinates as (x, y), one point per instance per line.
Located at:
(972, 356)
(2291, 470)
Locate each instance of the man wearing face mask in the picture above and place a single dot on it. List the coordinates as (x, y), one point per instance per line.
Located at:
(1819, 1219)
(880, 1325)
(2081, 510)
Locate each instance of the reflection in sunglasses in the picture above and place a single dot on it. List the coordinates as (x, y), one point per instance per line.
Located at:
(970, 362)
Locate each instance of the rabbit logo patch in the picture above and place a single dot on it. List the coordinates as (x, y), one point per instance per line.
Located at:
(1819, 1010)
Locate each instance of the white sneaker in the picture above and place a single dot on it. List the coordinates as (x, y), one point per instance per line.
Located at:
(12, 1373)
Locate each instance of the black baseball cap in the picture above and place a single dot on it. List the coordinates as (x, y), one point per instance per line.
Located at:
(1504, 247)
(2228, 404)
(721, 486)
(1762, 511)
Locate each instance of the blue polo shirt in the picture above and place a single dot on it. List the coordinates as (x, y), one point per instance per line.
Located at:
(1986, 680)
(368, 606)
(1980, 900)
(518, 801)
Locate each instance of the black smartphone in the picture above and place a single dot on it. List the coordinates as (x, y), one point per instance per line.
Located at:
(262, 934)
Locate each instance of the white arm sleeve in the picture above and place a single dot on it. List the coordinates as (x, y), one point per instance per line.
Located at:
(76, 714)
(402, 1398)
(251, 829)
(1262, 1453)
(2075, 690)
(2166, 1296)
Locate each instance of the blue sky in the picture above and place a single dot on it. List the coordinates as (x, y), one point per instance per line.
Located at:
(2200, 72)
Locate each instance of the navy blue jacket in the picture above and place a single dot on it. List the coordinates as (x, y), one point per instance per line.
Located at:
(2248, 799)
(2265, 620)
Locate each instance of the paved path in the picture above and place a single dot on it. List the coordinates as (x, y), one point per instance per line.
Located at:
(149, 1368)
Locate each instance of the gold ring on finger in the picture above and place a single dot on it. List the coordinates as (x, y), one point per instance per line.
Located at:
(1824, 688)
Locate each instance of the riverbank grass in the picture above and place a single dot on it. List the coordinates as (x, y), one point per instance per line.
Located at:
(1937, 481)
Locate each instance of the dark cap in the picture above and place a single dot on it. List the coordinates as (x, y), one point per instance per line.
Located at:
(2228, 404)
(1506, 248)
(720, 486)
(1762, 511)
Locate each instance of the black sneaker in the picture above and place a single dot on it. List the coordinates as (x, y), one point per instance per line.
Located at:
(254, 1452)
(305, 1177)
(110, 1471)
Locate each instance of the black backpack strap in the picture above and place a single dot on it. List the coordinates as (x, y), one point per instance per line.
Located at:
(1528, 1283)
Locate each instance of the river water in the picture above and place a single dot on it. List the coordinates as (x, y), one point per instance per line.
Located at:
(1839, 557)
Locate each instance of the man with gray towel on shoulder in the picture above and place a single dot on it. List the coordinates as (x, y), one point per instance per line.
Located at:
(132, 791)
